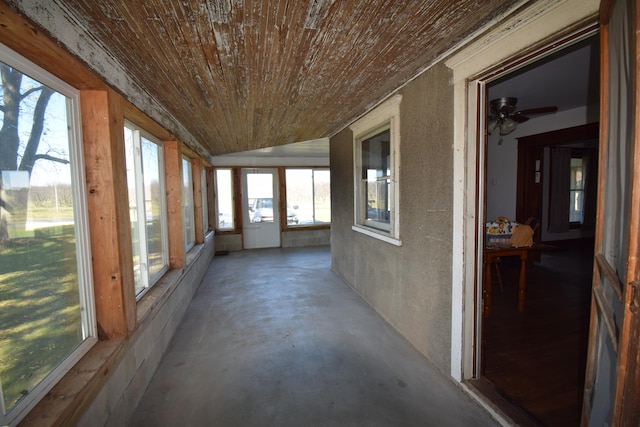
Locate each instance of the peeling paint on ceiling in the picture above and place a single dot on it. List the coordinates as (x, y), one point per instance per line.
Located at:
(242, 75)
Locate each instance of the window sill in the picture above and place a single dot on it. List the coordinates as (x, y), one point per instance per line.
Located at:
(307, 227)
(163, 287)
(68, 399)
(377, 235)
(220, 232)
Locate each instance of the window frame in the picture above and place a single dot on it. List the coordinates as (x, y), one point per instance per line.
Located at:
(577, 154)
(138, 134)
(205, 201)
(385, 116)
(314, 225)
(81, 230)
(217, 200)
(189, 235)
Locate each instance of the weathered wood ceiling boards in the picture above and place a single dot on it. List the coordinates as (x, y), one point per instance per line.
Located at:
(242, 74)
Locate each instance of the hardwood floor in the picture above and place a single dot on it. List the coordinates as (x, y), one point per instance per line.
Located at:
(536, 359)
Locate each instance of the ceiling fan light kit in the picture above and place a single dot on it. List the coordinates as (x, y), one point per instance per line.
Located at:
(503, 114)
(507, 126)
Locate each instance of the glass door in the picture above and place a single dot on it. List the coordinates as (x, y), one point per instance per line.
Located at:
(260, 204)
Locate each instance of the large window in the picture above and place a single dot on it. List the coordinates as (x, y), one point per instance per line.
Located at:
(308, 196)
(187, 204)
(47, 320)
(224, 199)
(147, 209)
(376, 165)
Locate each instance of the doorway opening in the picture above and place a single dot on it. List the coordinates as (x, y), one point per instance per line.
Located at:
(540, 168)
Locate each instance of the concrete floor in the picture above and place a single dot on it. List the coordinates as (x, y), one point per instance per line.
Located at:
(274, 338)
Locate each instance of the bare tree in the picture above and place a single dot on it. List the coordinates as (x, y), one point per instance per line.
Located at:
(10, 157)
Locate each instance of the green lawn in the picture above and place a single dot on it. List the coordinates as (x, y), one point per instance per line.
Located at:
(39, 308)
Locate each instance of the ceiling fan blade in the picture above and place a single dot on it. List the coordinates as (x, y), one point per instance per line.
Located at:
(518, 118)
(539, 110)
(491, 125)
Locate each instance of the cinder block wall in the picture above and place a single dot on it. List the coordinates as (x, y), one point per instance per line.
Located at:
(229, 242)
(289, 239)
(116, 402)
(302, 238)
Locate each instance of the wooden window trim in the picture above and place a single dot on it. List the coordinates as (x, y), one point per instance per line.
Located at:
(198, 215)
(282, 171)
(110, 228)
(173, 188)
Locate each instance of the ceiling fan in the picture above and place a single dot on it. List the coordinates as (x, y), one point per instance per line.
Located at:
(503, 114)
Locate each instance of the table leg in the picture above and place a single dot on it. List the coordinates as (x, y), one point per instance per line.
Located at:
(522, 285)
(486, 288)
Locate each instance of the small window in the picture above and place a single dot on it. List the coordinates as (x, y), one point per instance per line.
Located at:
(147, 207)
(224, 199)
(308, 197)
(187, 204)
(375, 176)
(47, 320)
(376, 148)
(576, 192)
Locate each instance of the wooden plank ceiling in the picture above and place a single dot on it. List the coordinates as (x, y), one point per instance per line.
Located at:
(241, 74)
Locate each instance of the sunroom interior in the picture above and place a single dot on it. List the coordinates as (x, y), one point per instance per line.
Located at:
(131, 134)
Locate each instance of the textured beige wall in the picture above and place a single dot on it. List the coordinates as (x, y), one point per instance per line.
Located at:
(410, 285)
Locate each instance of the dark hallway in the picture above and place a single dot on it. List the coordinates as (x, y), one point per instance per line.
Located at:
(274, 338)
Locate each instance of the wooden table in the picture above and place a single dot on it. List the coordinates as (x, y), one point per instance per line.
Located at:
(492, 252)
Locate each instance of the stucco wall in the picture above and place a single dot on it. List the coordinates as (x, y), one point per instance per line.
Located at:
(410, 285)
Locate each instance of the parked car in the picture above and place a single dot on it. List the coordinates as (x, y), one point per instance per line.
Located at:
(292, 215)
(261, 210)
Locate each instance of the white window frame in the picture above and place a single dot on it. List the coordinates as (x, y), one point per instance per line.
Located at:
(313, 198)
(189, 234)
(83, 245)
(217, 191)
(205, 201)
(577, 190)
(385, 116)
(148, 281)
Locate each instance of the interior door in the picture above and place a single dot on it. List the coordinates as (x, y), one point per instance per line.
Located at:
(261, 224)
(612, 383)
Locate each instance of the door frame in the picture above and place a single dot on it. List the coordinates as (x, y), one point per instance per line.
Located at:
(480, 91)
(272, 226)
(522, 37)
